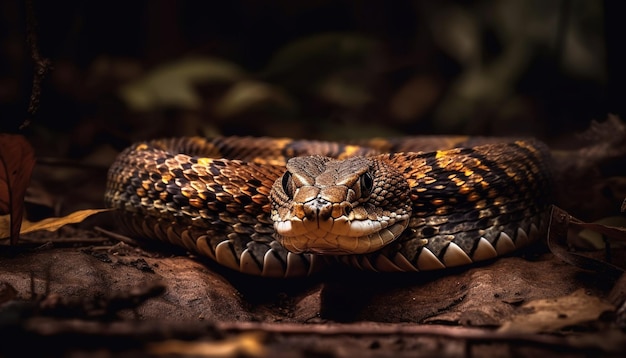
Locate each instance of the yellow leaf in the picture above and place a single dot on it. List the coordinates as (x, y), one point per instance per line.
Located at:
(247, 344)
(50, 224)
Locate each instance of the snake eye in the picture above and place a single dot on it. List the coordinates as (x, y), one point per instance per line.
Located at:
(367, 183)
(287, 184)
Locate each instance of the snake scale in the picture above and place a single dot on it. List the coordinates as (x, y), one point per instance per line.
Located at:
(283, 207)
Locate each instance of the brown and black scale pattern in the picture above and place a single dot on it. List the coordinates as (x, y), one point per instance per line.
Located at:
(458, 195)
(463, 194)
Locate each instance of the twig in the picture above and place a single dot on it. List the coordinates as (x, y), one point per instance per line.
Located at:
(121, 238)
(473, 335)
(92, 332)
(42, 65)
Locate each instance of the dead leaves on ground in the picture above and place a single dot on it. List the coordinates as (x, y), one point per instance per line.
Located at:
(246, 344)
(17, 159)
(554, 314)
(49, 224)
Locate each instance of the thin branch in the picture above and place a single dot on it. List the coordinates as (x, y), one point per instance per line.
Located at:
(42, 65)
(473, 335)
(137, 330)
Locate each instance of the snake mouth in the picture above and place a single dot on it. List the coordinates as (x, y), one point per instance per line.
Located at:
(338, 236)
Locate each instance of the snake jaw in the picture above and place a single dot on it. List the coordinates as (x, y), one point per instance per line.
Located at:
(361, 237)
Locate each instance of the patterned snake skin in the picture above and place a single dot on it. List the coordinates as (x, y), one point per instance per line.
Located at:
(405, 204)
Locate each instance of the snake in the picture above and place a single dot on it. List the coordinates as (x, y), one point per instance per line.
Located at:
(283, 207)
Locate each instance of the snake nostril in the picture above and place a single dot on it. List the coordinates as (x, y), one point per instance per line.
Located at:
(347, 210)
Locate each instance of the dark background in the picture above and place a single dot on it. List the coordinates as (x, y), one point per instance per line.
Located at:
(124, 71)
(314, 69)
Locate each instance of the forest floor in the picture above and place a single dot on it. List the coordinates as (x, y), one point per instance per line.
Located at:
(77, 291)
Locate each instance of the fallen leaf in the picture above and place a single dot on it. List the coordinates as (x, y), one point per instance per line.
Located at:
(50, 224)
(553, 314)
(17, 159)
(248, 345)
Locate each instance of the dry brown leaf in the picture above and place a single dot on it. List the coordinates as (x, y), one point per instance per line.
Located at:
(589, 237)
(17, 159)
(553, 314)
(50, 224)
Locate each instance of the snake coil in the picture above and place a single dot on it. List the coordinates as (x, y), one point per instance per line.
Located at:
(274, 207)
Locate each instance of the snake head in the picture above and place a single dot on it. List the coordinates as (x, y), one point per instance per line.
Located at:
(335, 207)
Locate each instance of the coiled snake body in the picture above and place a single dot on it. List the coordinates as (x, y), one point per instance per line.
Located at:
(384, 205)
